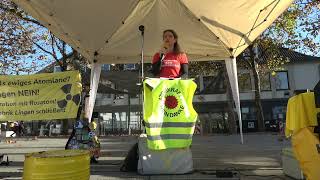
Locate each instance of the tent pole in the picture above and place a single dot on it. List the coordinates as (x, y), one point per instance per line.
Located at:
(233, 79)
(94, 83)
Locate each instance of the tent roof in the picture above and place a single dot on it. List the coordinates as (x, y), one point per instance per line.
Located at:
(107, 30)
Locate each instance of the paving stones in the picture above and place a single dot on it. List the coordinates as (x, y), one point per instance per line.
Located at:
(258, 158)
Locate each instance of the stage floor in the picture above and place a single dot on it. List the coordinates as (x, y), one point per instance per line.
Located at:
(258, 158)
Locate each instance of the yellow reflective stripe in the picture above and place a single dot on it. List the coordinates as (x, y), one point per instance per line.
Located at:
(170, 136)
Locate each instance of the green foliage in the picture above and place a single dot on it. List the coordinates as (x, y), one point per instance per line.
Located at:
(25, 45)
(298, 28)
(16, 40)
(204, 68)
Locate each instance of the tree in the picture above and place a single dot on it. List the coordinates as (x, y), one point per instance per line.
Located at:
(219, 69)
(270, 58)
(15, 41)
(297, 29)
(26, 45)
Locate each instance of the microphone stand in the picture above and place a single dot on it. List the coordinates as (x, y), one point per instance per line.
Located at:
(141, 29)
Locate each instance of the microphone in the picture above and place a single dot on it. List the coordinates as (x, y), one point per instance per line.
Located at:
(141, 28)
(162, 55)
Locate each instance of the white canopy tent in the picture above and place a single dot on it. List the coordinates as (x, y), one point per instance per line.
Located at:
(106, 31)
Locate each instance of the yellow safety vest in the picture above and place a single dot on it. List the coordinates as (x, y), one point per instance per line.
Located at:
(168, 113)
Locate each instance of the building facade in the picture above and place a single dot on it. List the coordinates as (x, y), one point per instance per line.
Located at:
(121, 113)
(118, 106)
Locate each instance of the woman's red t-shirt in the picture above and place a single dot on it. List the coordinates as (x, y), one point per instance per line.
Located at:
(171, 64)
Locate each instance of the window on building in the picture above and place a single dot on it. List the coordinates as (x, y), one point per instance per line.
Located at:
(57, 69)
(118, 96)
(244, 81)
(129, 67)
(108, 95)
(105, 67)
(265, 82)
(248, 113)
(282, 81)
(214, 84)
(197, 81)
(279, 112)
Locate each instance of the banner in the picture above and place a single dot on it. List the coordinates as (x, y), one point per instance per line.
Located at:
(169, 115)
(40, 97)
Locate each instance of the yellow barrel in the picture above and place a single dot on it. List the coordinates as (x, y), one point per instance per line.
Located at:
(56, 165)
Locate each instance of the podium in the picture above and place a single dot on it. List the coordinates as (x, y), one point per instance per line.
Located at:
(168, 161)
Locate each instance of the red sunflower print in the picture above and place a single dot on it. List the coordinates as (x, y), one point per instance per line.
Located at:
(171, 102)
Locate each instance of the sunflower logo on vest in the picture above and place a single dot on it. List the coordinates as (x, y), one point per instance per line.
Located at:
(172, 105)
(69, 97)
(171, 102)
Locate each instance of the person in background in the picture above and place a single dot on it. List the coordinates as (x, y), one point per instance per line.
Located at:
(14, 126)
(21, 128)
(170, 61)
(95, 143)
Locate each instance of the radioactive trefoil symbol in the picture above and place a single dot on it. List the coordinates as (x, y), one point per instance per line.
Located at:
(69, 97)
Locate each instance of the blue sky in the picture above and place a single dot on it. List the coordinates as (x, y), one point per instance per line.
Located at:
(312, 17)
